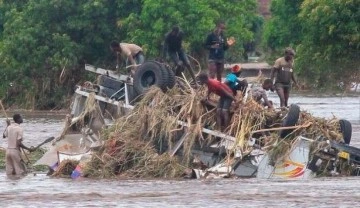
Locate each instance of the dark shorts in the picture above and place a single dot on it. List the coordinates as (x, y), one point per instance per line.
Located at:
(224, 103)
(216, 68)
(139, 59)
(177, 56)
(283, 86)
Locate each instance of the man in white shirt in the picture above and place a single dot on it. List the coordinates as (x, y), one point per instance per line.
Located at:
(14, 133)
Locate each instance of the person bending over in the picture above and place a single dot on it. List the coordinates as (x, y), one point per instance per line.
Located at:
(259, 95)
(234, 82)
(226, 98)
(133, 54)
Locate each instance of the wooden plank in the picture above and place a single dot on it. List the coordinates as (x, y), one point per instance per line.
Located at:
(284, 128)
(179, 143)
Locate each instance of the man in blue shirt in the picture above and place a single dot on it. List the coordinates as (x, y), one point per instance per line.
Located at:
(234, 82)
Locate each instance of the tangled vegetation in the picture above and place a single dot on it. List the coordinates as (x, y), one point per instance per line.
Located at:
(140, 144)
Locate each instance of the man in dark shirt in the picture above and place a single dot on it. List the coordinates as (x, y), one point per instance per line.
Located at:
(226, 98)
(173, 47)
(283, 68)
(217, 44)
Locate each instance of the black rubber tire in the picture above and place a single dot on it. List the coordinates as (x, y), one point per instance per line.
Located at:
(148, 74)
(110, 93)
(346, 130)
(110, 82)
(171, 76)
(291, 119)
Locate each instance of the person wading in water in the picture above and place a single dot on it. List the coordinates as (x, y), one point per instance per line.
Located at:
(14, 133)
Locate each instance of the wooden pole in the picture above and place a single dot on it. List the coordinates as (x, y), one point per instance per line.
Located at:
(283, 128)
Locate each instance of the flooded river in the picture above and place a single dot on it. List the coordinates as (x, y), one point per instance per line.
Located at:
(41, 191)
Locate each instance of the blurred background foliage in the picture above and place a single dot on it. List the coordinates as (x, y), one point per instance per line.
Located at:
(44, 44)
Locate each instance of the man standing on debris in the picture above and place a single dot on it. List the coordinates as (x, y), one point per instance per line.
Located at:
(259, 94)
(283, 68)
(132, 52)
(217, 44)
(226, 98)
(173, 47)
(14, 133)
(234, 82)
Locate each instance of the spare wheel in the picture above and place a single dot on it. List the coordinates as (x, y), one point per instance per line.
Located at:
(171, 76)
(148, 74)
(346, 130)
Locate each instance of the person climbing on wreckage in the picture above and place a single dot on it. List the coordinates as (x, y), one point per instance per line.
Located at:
(226, 98)
(173, 48)
(132, 52)
(259, 94)
(283, 68)
(233, 81)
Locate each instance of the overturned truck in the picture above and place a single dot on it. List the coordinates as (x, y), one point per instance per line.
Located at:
(156, 125)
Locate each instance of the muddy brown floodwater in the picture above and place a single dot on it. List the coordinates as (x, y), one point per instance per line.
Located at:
(42, 191)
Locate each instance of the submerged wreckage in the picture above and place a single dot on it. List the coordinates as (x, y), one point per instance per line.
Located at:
(125, 127)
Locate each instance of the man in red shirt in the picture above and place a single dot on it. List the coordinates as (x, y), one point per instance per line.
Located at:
(226, 98)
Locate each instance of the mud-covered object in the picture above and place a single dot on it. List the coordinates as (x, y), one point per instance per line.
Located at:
(290, 120)
(110, 82)
(111, 93)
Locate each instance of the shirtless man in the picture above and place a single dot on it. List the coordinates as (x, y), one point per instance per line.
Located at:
(283, 68)
(132, 52)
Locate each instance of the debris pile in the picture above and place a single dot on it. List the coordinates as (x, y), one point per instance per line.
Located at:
(140, 144)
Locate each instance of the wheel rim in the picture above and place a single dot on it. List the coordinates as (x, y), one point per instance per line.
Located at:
(148, 79)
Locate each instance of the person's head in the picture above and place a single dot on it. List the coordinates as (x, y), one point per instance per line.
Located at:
(203, 78)
(17, 118)
(220, 26)
(267, 84)
(175, 30)
(289, 54)
(236, 69)
(115, 46)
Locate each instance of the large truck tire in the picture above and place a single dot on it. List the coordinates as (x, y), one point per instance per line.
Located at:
(110, 82)
(148, 74)
(346, 130)
(291, 119)
(171, 76)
